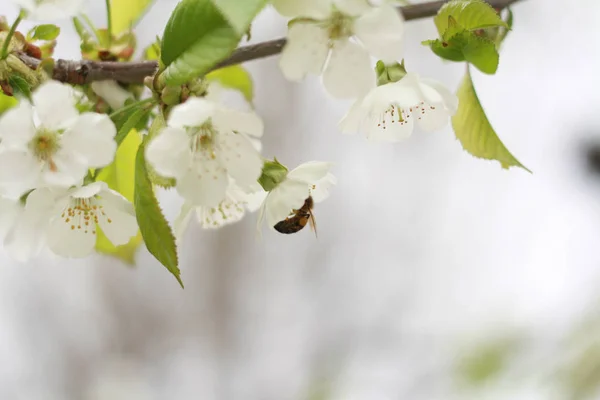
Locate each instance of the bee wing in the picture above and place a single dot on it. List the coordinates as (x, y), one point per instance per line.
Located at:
(313, 223)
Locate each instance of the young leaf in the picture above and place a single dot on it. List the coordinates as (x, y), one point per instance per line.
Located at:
(126, 13)
(240, 13)
(120, 176)
(20, 86)
(44, 32)
(469, 14)
(155, 229)
(196, 38)
(129, 123)
(467, 46)
(475, 132)
(234, 77)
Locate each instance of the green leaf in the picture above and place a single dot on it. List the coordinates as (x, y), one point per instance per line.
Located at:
(7, 102)
(196, 38)
(126, 13)
(130, 123)
(468, 46)
(44, 32)
(469, 14)
(475, 132)
(240, 13)
(157, 234)
(120, 176)
(20, 86)
(234, 77)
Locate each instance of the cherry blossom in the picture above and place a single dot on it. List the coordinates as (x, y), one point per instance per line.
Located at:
(389, 112)
(49, 143)
(203, 147)
(335, 38)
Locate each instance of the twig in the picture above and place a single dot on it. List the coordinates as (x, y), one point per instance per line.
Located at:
(86, 71)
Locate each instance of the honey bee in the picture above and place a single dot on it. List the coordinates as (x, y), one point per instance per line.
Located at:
(298, 219)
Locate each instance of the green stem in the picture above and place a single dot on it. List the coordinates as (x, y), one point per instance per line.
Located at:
(131, 105)
(109, 22)
(10, 35)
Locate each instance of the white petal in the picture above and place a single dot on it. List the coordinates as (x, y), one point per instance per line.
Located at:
(19, 172)
(261, 216)
(193, 113)
(112, 93)
(118, 222)
(348, 72)
(10, 211)
(310, 172)
(69, 240)
(68, 169)
(381, 31)
(353, 120)
(183, 220)
(238, 121)
(320, 190)
(449, 99)
(287, 196)
(170, 153)
(405, 93)
(318, 9)
(87, 191)
(227, 212)
(55, 105)
(255, 199)
(240, 158)
(16, 126)
(50, 10)
(388, 128)
(204, 183)
(92, 138)
(305, 52)
(353, 7)
(434, 118)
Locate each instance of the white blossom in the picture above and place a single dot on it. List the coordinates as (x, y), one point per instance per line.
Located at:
(47, 10)
(50, 143)
(205, 145)
(335, 38)
(67, 221)
(112, 93)
(309, 179)
(390, 112)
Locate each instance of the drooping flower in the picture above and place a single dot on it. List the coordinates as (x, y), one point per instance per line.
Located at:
(232, 209)
(50, 143)
(48, 10)
(389, 112)
(309, 179)
(319, 41)
(203, 146)
(67, 221)
(113, 94)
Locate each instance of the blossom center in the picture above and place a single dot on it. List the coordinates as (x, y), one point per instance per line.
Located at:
(339, 26)
(84, 214)
(393, 115)
(44, 145)
(203, 138)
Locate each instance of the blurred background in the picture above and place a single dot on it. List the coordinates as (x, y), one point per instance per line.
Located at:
(435, 275)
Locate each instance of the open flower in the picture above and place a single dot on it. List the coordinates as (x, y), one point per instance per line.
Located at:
(232, 209)
(390, 112)
(309, 179)
(49, 9)
(67, 220)
(50, 143)
(203, 146)
(319, 42)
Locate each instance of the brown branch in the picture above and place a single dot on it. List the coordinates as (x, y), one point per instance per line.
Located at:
(86, 71)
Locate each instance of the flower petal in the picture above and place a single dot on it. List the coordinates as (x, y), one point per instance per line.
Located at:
(55, 105)
(287, 196)
(405, 93)
(92, 138)
(381, 31)
(10, 210)
(69, 240)
(204, 183)
(348, 72)
(450, 99)
(118, 222)
(310, 172)
(354, 118)
(16, 126)
(193, 113)
(67, 169)
(227, 212)
(432, 118)
(240, 158)
(50, 10)
(87, 191)
(305, 52)
(318, 9)
(19, 172)
(112, 93)
(353, 7)
(170, 153)
(238, 121)
(320, 190)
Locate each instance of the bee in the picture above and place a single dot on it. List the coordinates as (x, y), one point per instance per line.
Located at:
(298, 219)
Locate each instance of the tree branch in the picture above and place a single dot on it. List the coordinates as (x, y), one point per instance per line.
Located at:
(86, 71)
